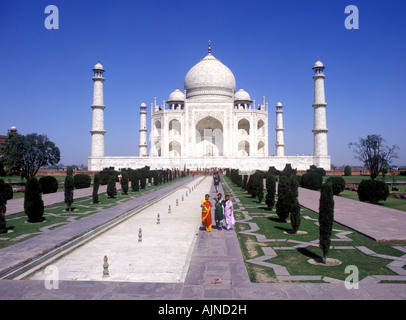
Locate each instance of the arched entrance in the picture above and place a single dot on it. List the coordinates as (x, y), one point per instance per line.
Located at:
(209, 137)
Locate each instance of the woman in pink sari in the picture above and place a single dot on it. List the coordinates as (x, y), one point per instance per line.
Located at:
(228, 213)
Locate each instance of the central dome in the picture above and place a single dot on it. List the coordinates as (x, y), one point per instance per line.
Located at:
(209, 77)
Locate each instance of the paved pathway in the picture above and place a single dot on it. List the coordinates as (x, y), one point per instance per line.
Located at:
(164, 253)
(216, 271)
(374, 221)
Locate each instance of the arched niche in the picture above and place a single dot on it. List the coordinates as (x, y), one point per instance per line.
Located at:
(243, 127)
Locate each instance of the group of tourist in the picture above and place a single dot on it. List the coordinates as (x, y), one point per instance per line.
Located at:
(223, 211)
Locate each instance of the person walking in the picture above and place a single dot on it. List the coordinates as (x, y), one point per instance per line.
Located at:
(206, 212)
(218, 214)
(228, 213)
(216, 180)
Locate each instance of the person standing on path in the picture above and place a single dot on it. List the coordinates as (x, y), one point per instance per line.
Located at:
(228, 213)
(218, 215)
(216, 180)
(206, 212)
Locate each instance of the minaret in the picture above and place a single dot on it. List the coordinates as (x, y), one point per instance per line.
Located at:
(280, 145)
(98, 107)
(143, 131)
(319, 115)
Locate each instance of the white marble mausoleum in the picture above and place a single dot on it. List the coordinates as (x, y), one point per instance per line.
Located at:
(210, 125)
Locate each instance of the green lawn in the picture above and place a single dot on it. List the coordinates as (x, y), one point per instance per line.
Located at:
(295, 260)
(391, 202)
(357, 179)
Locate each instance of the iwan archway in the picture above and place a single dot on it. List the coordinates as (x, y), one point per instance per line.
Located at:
(209, 137)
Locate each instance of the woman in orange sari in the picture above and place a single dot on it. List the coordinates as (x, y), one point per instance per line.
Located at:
(206, 213)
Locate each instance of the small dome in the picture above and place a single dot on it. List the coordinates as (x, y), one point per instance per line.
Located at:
(13, 128)
(177, 95)
(279, 104)
(98, 66)
(318, 64)
(143, 105)
(242, 95)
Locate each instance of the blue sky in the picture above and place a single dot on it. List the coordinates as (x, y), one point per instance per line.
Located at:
(147, 47)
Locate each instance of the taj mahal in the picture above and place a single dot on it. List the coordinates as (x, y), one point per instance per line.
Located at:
(210, 125)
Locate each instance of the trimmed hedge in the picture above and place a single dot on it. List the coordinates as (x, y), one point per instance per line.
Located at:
(33, 204)
(312, 180)
(81, 181)
(313, 168)
(326, 218)
(48, 184)
(6, 193)
(270, 191)
(284, 198)
(338, 184)
(347, 171)
(373, 191)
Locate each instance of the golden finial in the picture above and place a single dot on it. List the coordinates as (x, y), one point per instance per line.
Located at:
(209, 47)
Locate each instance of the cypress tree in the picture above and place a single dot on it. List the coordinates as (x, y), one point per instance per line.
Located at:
(33, 204)
(294, 204)
(283, 204)
(111, 187)
(270, 190)
(6, 193)
(96, 183)
(69, 187)
(124, 182)
(136, 181)
(326, 218)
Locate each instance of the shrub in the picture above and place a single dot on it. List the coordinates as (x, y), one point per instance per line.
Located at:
(312, 180)
(326, 218)
(338, 184)
(155, 176)
(402, 173)
(270, 191)
(260, 193)
(81, 181)
(244, 182)
(288, 171)
(274, 171)
(124, 182)
(313, 168)
(135, 182)
(373, 191)
(48, 184)
(69, 171)
(33, 204)
(69, 187)
(255, 184)
(95, 193)
(6, 193)
(106, 173)
(347, 171)
(111, 187)
(143, 174)
(283, 204)
(294, 204)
